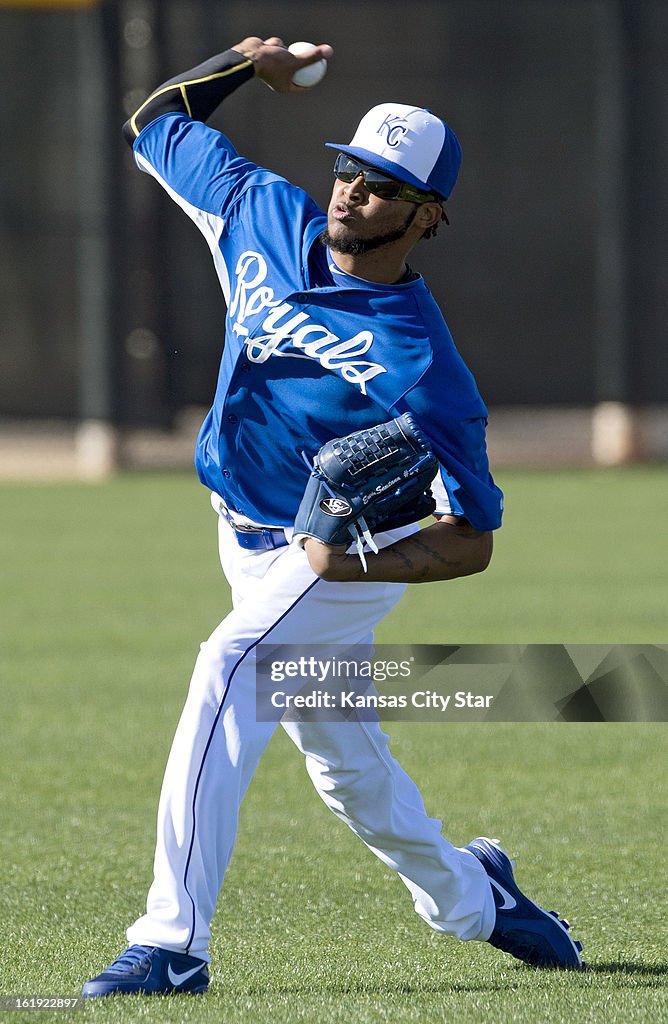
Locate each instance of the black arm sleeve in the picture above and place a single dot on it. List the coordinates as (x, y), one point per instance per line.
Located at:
(196, 93)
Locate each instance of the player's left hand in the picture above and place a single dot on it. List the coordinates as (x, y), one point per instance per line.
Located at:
(368, 481)
(275, 65)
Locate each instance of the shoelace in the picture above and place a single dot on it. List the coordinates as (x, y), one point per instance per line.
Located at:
(133, 956)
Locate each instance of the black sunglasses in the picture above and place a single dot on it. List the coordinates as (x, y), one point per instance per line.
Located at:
(379, 184)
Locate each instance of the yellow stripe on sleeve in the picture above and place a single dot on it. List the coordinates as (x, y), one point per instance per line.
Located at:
(182, 86)
(185, 100)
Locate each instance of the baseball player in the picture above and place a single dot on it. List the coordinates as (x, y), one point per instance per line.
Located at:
(328, 331)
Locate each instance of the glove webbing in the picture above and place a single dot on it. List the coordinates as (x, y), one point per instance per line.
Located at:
(368, 448)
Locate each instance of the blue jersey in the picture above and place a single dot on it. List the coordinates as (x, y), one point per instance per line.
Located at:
(310, 352)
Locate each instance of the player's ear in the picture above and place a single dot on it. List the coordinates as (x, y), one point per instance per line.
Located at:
(428, 214)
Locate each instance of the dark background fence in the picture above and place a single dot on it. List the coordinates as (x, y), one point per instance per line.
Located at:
(553, 275)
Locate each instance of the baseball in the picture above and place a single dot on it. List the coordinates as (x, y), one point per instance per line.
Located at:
(314, 73)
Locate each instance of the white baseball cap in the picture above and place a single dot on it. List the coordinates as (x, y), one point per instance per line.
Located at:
(408, 143)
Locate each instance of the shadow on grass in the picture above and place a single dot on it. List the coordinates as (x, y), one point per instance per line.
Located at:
(382, 987)
(635, 967)
(254, 991)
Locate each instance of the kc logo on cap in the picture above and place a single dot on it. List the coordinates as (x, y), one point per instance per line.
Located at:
(394, 127)
(408, 143)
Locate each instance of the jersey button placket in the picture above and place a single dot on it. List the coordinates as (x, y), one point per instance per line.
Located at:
(232, 419)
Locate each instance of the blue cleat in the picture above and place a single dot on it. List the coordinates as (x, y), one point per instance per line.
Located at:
(149, 970)
(522, 928)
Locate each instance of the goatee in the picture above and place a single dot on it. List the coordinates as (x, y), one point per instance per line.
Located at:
(359, 246)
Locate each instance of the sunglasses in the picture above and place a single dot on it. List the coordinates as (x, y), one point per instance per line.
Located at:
(379, 184)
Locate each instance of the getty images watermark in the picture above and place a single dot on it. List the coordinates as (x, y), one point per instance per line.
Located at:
(472, 682)
(345, 683)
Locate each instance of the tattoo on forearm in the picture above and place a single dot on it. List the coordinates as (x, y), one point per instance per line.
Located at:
(433, 557)
(418, 558)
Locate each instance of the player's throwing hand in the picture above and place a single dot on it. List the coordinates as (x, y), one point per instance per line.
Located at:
(275, 65)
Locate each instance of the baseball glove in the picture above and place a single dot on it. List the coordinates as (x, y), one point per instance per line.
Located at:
(370, 480)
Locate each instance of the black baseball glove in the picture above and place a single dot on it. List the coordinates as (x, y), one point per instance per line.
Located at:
(370, 480)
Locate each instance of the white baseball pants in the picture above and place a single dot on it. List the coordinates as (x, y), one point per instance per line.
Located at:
(218, 744)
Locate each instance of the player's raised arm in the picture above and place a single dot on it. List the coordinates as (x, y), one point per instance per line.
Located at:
(200, 90)
(196, 92)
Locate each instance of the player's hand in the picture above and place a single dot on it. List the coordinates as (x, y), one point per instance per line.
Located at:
(275, 65)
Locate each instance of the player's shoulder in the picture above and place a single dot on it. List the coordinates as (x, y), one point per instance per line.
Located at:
(447, 372)
(436, 331)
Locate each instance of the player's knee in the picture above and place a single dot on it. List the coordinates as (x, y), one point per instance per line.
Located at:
(213, 668)
(362, 795)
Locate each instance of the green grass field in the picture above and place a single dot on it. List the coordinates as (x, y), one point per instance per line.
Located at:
(107, 592)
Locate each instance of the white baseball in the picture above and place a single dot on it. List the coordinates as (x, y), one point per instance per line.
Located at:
(314, 73)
